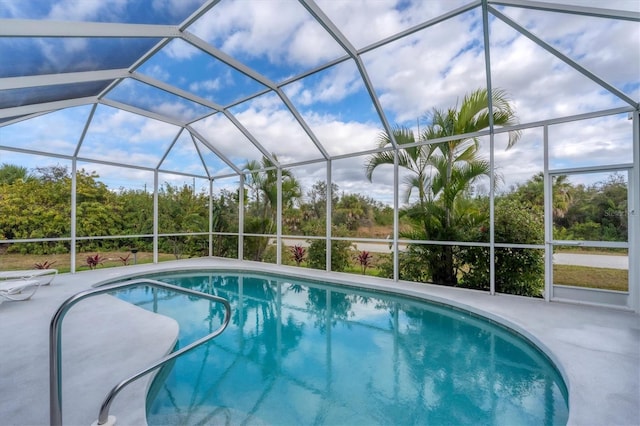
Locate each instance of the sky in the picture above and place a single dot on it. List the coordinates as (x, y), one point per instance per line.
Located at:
(432, 68)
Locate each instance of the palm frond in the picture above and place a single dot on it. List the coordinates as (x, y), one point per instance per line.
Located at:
(469, 150)
(378, 159)
(472, 105)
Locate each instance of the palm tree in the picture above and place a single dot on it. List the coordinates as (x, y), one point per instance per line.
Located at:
(443, 172)
(10, 173)
(562, 189)
(562, 195)
(263, 181)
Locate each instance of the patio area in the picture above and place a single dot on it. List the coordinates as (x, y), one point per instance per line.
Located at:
(596, 349)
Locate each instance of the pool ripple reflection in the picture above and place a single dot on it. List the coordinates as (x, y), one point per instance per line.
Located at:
(305, 353)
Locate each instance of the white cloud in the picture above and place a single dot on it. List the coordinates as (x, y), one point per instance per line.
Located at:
(158, 72)
(592, 142)
(310, 44)
(176, 8)
(610, 48)
(180, 50)
(275, 31)
(365, 22)
(205, 85)
(435, 67)
(380, 18)
(277, 130)
(155, 130)
(57, 132)
(429, 69)
(86, 10)
(340, 137)
(16, 9)
(332, 86)
(519, 163)
(179, 110)
(121, 137)
(221, 133)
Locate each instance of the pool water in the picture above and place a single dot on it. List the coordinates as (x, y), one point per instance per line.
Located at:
(304, 353)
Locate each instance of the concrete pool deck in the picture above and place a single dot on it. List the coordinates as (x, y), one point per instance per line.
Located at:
(104, 340)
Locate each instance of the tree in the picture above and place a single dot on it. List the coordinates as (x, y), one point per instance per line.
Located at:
(442, 173)
(10, 173)
(597, 211)
(54, 173)
(137, 210)
(517, 270)
(99, 211)
(311, 217)
(562, 195)
(532, 192)
(317, 197)
(340, 252)
(225, 219)
(262, 180)
(40, 207)
(350, 212)
(182, 210)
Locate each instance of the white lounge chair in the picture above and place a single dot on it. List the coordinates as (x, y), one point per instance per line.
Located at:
(18, 289)
(43, 276)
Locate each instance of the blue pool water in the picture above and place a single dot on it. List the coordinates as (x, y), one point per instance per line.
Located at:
(304, 353)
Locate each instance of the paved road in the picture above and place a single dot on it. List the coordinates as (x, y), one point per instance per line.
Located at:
(593, 260)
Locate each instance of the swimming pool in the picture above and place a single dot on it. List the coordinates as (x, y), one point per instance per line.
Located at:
(302, 352)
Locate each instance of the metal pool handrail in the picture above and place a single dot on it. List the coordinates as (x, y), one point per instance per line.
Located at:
(55, 361)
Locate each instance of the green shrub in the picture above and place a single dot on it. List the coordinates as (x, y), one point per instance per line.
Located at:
(340, 254)
(518, 270)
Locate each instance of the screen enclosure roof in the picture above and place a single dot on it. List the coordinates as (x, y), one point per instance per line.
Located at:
(201, 87)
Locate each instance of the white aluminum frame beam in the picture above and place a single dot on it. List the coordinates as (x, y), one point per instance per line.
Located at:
(204, 163)
(85, 129)
(249, 72)
(562, 57)
(35, 152)
(168, 150)
(45, 28)
(198, 13)
(492, 176)
(140, 111)
(319, 15)
(209, 145)
(567, 8)
(634, 218)
(431, 22)
(65, 78)
(175, 91)
(227, 59)
(46, 107)
(249, 136)
(21, 118)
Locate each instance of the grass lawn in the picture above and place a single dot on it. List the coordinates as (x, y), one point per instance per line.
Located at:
(591, 250)
(584, 276)
(62, 262)
(579, 276)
